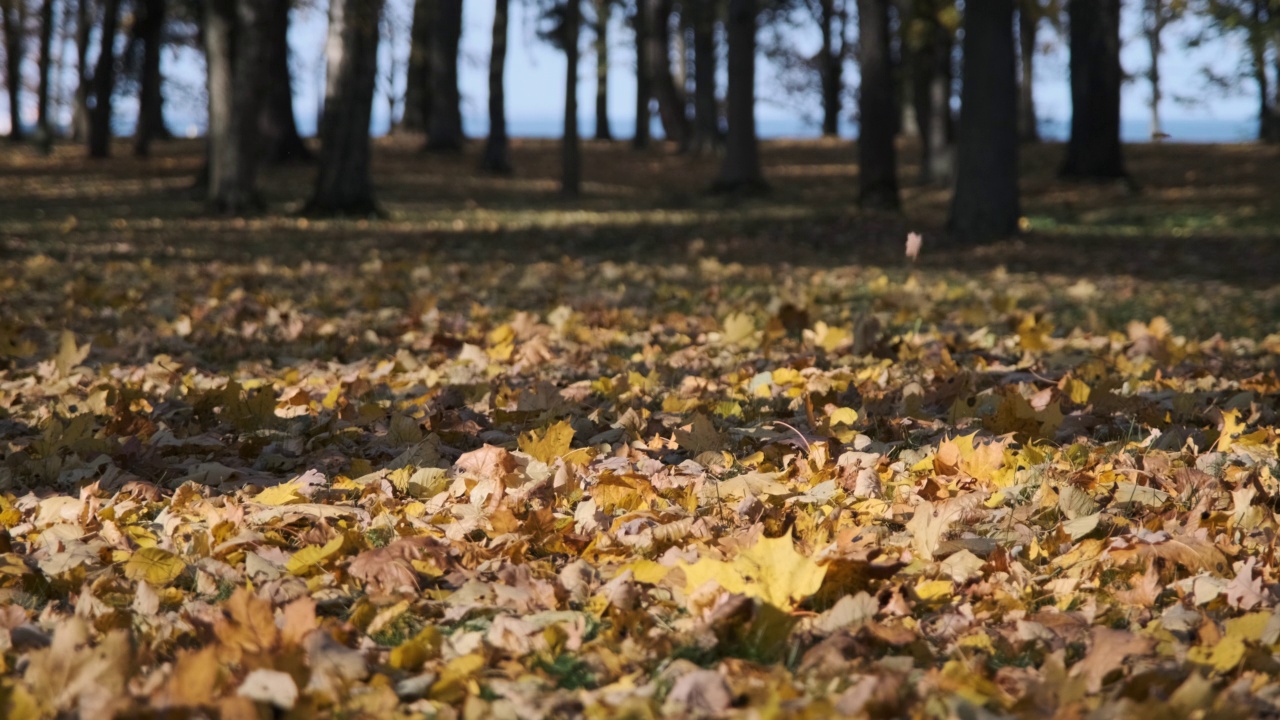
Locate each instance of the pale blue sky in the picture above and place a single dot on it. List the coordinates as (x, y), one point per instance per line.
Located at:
(535, 76)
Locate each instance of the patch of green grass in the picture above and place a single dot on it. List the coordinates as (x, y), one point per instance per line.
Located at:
(380, 537)
(569, 672)
(398, 631)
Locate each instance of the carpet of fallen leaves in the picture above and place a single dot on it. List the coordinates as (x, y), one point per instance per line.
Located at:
(427, 485)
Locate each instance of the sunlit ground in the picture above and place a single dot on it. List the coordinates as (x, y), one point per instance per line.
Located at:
(649, 451)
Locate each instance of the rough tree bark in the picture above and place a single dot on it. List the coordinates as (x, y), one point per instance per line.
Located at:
(831, 67)
(104, 83)
(277, 124)
(985, 205)
(671, 101)
(417, 91)
(12, 14)
(234, 34)
(571, 152)
(444, 125)
(740, 171)
(44, 124)
(644, 86)
(342, 184)
(931, 76)
(1028, 26)
(706, 110)
(1268, 130)
(80, 114)
(1094, 151)
(497, 158)
(604, 11)
(149, 28)
(877, 109)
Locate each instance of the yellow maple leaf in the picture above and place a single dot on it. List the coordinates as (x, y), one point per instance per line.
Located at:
(282, 494)
(931, 590)
(313, 555)
(1232, 426)
(552, 443)
(740, 329)
(1224, 655)
(154, 565)
(700, 436)
(771, 570)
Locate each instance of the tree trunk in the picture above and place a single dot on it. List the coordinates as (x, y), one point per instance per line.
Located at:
(1153, 28)
(985, 205)
(12, 13)
(496, 155)
(930, 66)
(1028, 25)
(740, 171)
(571, 180)
(877, 109)
(831, 67)
(277, 124)
(706, 111)
(1267, 119)
(44, 123)
(444, 125)
(80, 114)
(417, 91)
(342, 184)
(235, 42)
(604, 11)
(671, 102)
(149, 27)
(1275, 103)
(1094, 150)
(104, 83)
(644, 86)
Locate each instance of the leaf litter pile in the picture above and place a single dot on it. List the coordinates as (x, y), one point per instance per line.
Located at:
(603, 489)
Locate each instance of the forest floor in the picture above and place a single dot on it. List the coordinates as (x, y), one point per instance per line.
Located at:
(647, 453)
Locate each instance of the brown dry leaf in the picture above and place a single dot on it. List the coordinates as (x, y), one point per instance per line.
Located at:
(488, 462)
(79, 676)
(193, 680)
(1108, 651)
(392, 569)
(247, 626)
(549, 445)
(1193, 553)
(700, 436)
(699, 692)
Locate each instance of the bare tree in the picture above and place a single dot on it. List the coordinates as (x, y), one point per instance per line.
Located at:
(234, 36)
(148, 27)
(604, 13)
(417, 90)
(277, 124)
(571, 181)
(877, 109)
(444, 124)
(1094, 150)
(84, 78)
(644, 86)
(497, 156)
(13, 15)
(671, 101)
(342, 184)
(104, 83)
(1029, 15)
(44, 124)
(985, 205)
(706, 111)
(740, 171)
